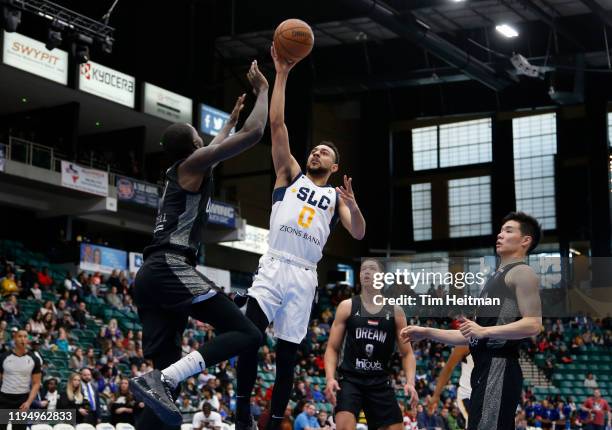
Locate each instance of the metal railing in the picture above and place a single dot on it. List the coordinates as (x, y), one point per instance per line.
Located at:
(44, 157)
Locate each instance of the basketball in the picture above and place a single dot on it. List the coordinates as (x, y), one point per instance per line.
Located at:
(293, 40)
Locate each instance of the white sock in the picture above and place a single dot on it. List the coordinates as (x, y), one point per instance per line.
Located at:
(189, 365)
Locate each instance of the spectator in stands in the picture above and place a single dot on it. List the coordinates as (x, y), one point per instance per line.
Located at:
(49, 398)
(92, 398)
(74, 399)
(77, 361)
(306, 420)
(50, 322)
(324, 420)
(90, 358)
(185, 405)
(123, 406)
(107, 383)
(599, 411)
(207, 419)
(45, 279)
(35, 292)
(28, 277)
(590, 381)
(80, 315)
(62, 340)
(113, 279)
(11, 310)
(37, 326)
(128, 304)
(49, 308)
(113, 298)
(111, 331)
(8, 285)
(209, 397)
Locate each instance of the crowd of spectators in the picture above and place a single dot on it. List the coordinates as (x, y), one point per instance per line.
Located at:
(98, 387)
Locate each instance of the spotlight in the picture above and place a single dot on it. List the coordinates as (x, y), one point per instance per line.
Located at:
(54, 38)
(80, 48)
(507, 30)
(12, 18)
(107, 45)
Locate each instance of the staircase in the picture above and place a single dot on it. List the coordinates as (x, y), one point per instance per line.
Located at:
(532, 374)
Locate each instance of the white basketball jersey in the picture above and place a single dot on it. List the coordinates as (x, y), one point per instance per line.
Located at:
(465, 385)
(302, 216)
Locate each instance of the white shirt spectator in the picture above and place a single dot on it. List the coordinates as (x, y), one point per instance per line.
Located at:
(213, 401)
(213, 421)
(590, 383)
(203, 378)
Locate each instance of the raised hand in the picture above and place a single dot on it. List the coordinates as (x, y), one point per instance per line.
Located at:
(346, 194)
(257, 79)
(233, 119)
(413, 333)
(280, 64)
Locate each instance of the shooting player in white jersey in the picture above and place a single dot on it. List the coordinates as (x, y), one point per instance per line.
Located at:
(304, 209)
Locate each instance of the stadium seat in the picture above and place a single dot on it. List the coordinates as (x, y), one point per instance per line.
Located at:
(105, 426)
(41, 427)
(63, 427)
(124, 426)
(85, 426)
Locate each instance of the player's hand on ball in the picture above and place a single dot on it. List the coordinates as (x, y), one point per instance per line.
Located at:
(330, 390)
(409, 390)
(413, 333)
(257, 79)
(233, 119)
(346, 193)
(280, 64)
(469, 329)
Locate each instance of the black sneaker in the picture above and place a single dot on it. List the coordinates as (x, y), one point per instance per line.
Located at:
(156, 394)
(249, 425)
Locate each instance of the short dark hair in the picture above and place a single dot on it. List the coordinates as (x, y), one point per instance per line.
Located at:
(177, 140)
(529, 227)
(379, 263)
(333, 147)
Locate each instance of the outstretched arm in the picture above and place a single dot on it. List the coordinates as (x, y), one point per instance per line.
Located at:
(285, 165)
(349, 212)
(252, 131)
(332, 352)
(455, 358)
(231, 122)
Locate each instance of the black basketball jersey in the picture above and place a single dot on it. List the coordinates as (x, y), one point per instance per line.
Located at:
(504, 313)
(369, 341)
(180, 216)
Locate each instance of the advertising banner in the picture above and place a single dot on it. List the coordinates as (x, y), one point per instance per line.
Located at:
(96, 258)
(84, 179)
(166, 104)
(132, 190)
(107, 83)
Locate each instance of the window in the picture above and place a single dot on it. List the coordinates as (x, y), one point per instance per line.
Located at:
(456, 144)
(466, 142)
(421, 211)
(469, 206)
(535, 144)
(425, 148)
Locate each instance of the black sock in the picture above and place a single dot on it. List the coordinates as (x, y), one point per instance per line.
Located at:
(286, 353)
(274, 423)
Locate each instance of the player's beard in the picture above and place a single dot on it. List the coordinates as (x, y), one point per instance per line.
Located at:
(317, 172)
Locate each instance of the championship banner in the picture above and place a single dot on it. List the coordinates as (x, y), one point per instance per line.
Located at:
(221, 213)
(84, 179)
(96, 258)
(139, 192)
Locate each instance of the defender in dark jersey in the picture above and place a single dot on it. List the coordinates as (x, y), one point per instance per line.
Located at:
(495, 332)
(168, 289)
(362, 339)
